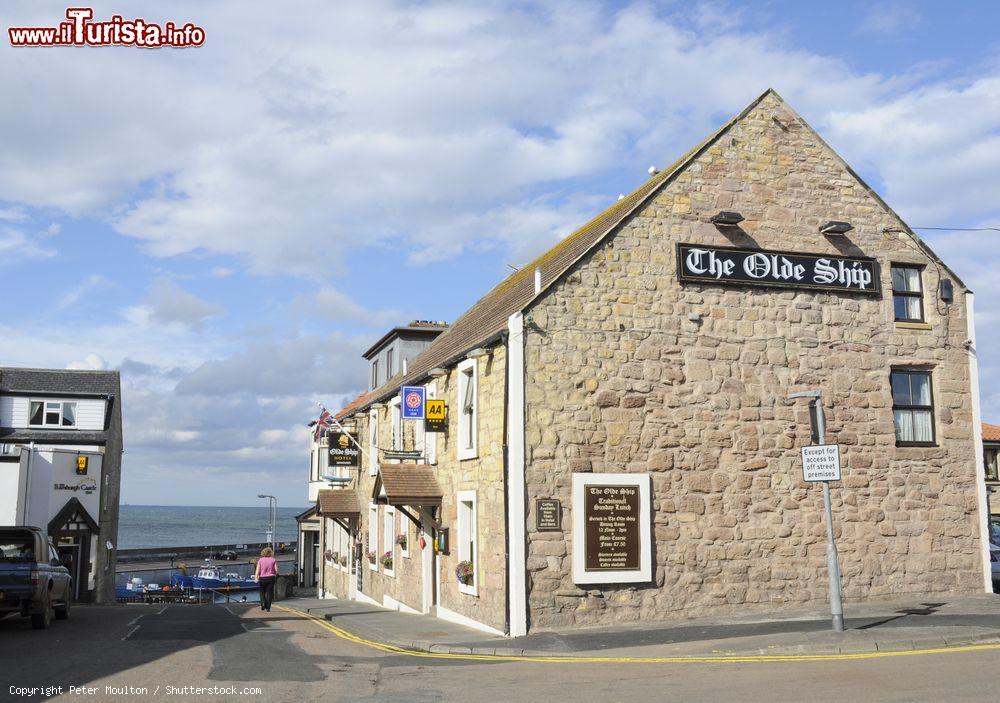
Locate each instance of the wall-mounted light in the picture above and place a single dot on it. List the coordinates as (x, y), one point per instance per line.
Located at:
(477, 353)
(437, 372)
(726, 218)
(836, 228)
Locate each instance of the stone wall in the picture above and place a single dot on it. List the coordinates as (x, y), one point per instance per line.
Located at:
(619, 379)
(483, 474)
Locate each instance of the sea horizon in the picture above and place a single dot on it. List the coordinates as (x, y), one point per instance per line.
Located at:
(151, 526)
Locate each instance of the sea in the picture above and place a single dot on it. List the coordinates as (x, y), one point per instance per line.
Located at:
(143, 526)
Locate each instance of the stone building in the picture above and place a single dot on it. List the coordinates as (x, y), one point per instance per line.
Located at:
(619, 442)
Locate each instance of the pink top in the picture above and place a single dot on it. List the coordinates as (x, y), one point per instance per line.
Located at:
(267, 566)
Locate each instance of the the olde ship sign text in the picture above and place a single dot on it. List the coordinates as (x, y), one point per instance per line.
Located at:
(727, 266)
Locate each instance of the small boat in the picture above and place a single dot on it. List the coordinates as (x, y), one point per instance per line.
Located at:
(213, 577)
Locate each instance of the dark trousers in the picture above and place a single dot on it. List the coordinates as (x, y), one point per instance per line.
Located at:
(266, 591)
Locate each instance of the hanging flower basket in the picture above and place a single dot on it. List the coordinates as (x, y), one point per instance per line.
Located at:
(328, 554)
(464, 572)
(343, 560)
(401, 541)
(372, 557)
(334, 557)
(386, 560)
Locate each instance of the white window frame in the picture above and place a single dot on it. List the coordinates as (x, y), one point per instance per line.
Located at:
(389, 538)
(429, 439)
(468, 446)
(396, 423)
(45, 411)
(468, 538)
(374, 374)
(372, 442)
(372, 535)
(389, 370)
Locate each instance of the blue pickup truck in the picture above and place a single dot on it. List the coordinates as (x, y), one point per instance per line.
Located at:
(33, 581)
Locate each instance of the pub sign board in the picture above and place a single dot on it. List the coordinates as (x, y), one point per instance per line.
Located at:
(729, 266)
(343, 451)
(611, 528)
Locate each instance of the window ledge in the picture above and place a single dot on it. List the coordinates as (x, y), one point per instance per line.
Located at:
(901, 325)
(923, 445)
(468, 590)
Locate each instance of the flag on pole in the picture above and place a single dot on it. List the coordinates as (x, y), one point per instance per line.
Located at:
(324, 422)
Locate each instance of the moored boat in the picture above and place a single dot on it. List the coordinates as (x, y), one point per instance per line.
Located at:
(214, 578)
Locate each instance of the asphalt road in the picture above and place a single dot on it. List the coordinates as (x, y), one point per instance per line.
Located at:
(279, 656)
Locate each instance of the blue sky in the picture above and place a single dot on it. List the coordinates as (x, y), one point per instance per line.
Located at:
(232, 225)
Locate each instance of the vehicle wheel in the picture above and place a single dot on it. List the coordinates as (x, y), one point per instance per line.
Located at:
(62, 612)
(42, 620)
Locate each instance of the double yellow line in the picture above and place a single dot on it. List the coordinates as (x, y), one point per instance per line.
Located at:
(563, 659)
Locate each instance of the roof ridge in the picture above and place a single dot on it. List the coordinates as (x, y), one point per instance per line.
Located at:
(516, 291)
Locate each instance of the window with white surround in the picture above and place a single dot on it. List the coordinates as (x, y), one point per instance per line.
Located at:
(372, 545)
(389, 540)
(912, 407)
(467, 550)
(397, 424)
(374, 374)
(389, 370)
(467, 404)
(52, 413)
(372, 442)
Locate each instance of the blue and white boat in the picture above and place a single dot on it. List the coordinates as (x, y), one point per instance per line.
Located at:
(214, 578)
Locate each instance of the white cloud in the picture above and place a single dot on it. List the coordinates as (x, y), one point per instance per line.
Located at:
(76, 293)
(890, 18)
(16, 246)
(380, 121)
(91, 362)
(169, 303)
(329, 303)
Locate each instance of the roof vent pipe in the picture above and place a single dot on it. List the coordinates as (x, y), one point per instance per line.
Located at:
(538, 281)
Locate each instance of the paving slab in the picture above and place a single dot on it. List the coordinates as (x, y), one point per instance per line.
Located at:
(886, 626)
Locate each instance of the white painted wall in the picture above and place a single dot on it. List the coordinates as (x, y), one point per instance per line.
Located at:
(89, 412)
(11, 491)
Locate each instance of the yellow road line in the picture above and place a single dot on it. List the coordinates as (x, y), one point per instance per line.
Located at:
(566, 659)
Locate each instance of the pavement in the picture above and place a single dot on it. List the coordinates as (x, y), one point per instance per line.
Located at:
(889, 626)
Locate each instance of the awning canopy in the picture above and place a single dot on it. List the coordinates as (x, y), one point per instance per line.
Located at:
(338, 503)
(407, 484)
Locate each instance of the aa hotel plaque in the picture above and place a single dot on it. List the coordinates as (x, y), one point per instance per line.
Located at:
(611, 533)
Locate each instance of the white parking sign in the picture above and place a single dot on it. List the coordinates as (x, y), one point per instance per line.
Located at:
(821, 462)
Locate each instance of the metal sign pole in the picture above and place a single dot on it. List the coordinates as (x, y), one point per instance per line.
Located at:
(832, 561)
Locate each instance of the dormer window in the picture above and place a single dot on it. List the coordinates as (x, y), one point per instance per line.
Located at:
(52, 413)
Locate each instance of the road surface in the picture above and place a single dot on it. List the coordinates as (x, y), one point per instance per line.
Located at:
(141, 651)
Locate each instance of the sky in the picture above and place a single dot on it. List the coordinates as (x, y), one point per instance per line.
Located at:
(232, 225)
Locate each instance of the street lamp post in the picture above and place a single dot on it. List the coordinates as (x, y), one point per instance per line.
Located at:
(818, 425)
(272, 516)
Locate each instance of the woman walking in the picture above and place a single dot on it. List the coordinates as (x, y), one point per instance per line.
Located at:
(267, 574)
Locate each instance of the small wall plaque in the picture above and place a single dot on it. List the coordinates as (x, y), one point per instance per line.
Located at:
(548, 515)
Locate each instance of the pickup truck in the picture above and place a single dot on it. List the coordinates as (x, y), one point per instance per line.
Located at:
(33, 580)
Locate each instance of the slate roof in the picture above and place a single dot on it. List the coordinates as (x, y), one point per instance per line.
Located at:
(407, 484)
(70, 382)
(338, 502)
(991, 433)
